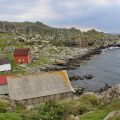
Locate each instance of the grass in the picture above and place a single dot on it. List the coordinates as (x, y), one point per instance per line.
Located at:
(86, 107)
(10, 116)
(43, 60)
(94, 115)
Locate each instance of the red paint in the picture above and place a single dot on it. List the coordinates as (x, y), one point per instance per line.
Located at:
(3, 79)
(21, 59)
(21, 55)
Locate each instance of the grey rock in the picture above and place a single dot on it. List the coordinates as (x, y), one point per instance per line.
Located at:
(112, 114)
(112, 93)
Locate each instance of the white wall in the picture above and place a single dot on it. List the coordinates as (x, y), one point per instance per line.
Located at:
(5, 67)
(4, 89)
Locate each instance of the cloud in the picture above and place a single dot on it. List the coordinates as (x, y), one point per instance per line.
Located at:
(99, 14)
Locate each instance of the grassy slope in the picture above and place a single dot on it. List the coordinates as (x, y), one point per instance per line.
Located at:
(87, 107)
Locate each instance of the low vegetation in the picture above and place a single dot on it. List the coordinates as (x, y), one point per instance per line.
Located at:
(86, 107)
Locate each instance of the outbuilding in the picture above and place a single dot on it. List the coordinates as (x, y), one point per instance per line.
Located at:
(3, 84)
(22, 55)
(4, 64)
(41, 87)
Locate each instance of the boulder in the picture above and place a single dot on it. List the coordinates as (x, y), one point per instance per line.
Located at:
(72, 117)
(37, 36)
(106, 87)
(20, 38)
(60, 62)
(110, 94)
(79, 90)
(75, 77)
(89, 76)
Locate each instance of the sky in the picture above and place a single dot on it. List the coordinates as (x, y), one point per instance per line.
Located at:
(103, 15)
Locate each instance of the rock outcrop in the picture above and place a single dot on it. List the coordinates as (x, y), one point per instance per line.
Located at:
(112, 93)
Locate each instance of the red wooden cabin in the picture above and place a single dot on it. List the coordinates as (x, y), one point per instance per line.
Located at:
(22, 55)
(4, 83)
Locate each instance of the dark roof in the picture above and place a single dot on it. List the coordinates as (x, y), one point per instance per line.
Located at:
(21, 51)
(4, 60)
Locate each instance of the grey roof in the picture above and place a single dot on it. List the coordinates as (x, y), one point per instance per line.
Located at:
(42, 84)
(4, 60)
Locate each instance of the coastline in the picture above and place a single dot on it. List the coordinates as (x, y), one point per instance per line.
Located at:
(76, 61)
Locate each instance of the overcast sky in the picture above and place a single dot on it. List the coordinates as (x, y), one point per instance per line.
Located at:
(103, 15)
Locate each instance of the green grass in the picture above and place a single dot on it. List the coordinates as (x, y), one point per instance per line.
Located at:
(94, 115)
(41, 61)
(87, 107)
(10, 116)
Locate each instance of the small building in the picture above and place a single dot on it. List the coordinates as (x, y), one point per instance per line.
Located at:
(22, 55)
(34, 89)
(4, 64)
(3, 84)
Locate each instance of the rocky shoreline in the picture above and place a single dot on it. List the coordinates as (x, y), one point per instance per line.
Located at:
(76, 61)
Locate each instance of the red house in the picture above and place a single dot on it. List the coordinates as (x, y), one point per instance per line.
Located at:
(22, 55)
(3, 83)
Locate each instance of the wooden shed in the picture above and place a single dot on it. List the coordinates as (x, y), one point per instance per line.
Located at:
(4, 64)
(22, 55)
(41, 87)
(3, 84)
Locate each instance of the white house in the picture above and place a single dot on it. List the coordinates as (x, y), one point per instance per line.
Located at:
(4, 64)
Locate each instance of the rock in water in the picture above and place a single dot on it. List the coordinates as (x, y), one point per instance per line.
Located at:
(89, 76)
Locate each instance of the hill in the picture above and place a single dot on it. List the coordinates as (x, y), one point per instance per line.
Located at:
(49, 46)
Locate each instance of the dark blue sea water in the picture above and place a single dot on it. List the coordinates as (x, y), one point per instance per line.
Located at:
(105, 68)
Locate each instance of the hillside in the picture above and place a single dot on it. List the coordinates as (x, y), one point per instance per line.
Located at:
(49, 46)
(53, 48)
(37, 32)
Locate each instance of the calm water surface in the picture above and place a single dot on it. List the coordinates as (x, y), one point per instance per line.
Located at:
(105, 68)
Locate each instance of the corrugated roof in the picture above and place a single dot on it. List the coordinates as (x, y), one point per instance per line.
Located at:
(38, 85)
(4, 60)
(21, 51)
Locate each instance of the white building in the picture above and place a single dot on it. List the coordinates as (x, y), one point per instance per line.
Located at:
(4, 64)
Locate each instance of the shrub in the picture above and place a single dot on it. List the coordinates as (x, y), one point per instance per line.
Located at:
(90, 99)
(3, 107)
(74, 108)
(51, 111)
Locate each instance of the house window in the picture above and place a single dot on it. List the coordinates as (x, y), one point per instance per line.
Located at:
(19, 60)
